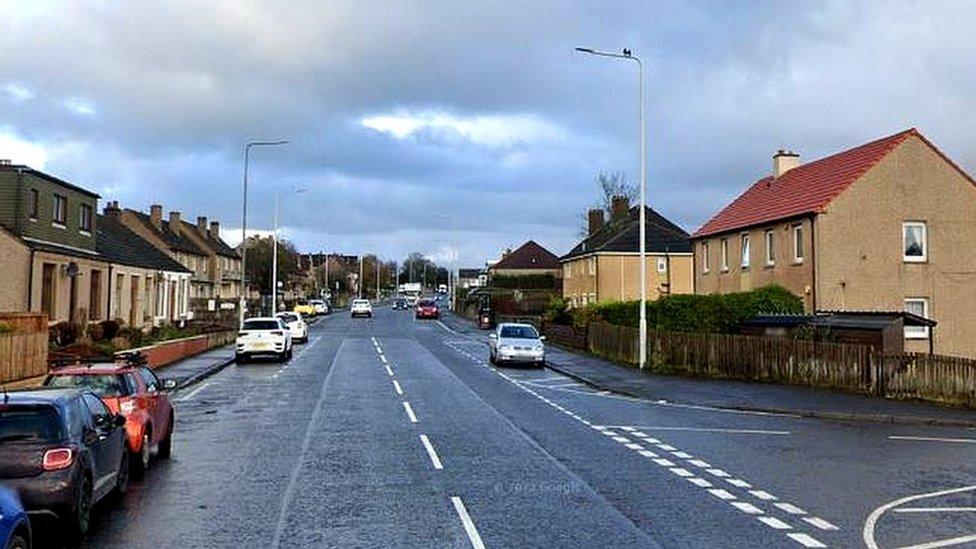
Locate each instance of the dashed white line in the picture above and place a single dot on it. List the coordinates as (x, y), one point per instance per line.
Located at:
(469, 527)
(820, 523)
(763, 495)
(700, 482)
(774, 523)
(806, 540)
(738, 483)
(388, 370)
(681, 472)
(410, 414)
(721, 494)
(700, 463)
(383, 359)
(790, 508)
(664, 462)
(396, 385)
(718, 473)
(431, 453)
(747, 508)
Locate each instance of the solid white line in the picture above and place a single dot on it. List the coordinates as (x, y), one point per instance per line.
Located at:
(396, 385)
(410, 414)
(193, 393)
(431, 452)
(936, 510)
(716, 430)
(943, 542)
(820, 523)
(805, 540)
(389, 371)
(934, 439)
(774, 522)
(469, 527)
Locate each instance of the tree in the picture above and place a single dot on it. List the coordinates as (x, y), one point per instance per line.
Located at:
(418, 268)
(259, 262)
(611, 184)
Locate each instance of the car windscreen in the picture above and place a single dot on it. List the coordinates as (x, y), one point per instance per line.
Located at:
(360, 302)
(107, 385)
(261, 325)
(29, 423)
(288, 318)
(519, 332)
(427, 303)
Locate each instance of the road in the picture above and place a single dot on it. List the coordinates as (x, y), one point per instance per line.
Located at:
(393, 432)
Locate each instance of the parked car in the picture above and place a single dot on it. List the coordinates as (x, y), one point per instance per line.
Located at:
(296, 325)
(136, 393)
(62, 451)
(361, 307)
(263, 336)
(400, 304)
(15, 530)
(516, 343)
(427, 308)
(321, 307)
(305, 308)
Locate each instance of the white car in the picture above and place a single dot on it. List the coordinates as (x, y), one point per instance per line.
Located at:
(321, 307)
(516, 343)
(296, 325)
(263, 336)
(361, 307)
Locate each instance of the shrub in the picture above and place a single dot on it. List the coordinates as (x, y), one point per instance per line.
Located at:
(5, 328)
(63, 333)
(95, 332)
(557, 311)
(110, 328)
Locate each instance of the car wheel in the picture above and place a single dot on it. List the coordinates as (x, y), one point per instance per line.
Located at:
(17, 542)
(491, 358)
(81, 514)
(282, 356)
(240, 358)
(122, 477)
(291, 352)
(166, 445)
(140, 459)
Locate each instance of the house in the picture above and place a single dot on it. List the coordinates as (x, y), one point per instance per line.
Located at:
(605, 266)
(884, 226)
(472, 278)
(528, 259)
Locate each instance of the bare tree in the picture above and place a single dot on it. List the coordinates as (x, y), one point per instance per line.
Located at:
(611, 184)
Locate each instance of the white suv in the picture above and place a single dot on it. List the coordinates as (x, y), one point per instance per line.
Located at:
(361, 307)
(296, 325)
(263, 336)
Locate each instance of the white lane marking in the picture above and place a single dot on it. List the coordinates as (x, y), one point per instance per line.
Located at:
(820, 523)
(714, 430)
(738, 483)
(647, 453)
(442, 325)
(664, 462)
(373, 339)
(681, 472)
(628, 429)
(763, 495)
(943, 542)
(774, 523)
(700, 482)
(936, 510)
(699, 463)
(747, 508)
(790, 508)
(388, 370)
(383, 359)
(721, 494)
(469, 527)
(805, 540)
(622, 440)
(718, 472)
(396, 385)
(872, 521)
(667, 447)
(934, 439)
(193, 393)
(634, 446)
(431, 452)
(410, 414)
(682, 455)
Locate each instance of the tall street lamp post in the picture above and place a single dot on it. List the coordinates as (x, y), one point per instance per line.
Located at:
(247, 159)
(274, 256)
(629, 56)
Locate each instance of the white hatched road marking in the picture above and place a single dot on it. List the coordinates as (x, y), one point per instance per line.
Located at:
(747, 508)
(820, 523)
(805, 540)
(436, 461)
(774, 523)
(721, 494)
(790, 508)
(410, 414)
(194, 392)
(469, 527)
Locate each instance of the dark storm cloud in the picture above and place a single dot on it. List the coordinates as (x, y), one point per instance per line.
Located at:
(480, 111)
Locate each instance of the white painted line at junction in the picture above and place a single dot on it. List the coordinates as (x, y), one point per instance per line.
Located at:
(763, 495)
(936, 510)
(681, 472)
(469, 527)
(805, 540)
(718, 472)
(820, 523)
(774, 523)
(664, 462)
(738, 483)
(647, 453)
(193, 393)
(383, 359)
(934, 439)
(396, 385)
(410, 414)
(943, 542)
(700, 482)
(715, 430)
(746, 508)
(700, 463)
(871, 523)
(388, 370)
(442, 325)
(790, 508)
(721, 494)
(436, 461)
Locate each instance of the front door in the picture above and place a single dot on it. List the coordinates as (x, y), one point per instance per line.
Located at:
(73, 299)
(47, 291)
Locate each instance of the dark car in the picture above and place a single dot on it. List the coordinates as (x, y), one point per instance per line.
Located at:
(427, 308)
(15, 530)
(62, 451)
(400, 304)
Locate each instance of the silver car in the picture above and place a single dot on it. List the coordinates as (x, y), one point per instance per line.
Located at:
(512, 343)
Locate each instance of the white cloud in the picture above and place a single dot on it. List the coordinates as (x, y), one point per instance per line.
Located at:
(79, 106)
(501, 130)
(17, 93)
(20, 151)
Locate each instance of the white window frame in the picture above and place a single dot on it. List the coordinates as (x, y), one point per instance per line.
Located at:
(917, 332)
(798, 243)
(725, 253)
(62, 201)
(82, 218)
(744, 250)
(704, 257)
(770, 250)
(925, 242)
(662, 265)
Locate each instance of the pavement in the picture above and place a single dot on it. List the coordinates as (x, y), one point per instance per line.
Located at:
(198, 367)
(395, 432)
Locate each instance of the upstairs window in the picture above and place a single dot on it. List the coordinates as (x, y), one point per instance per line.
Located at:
(32, 204)
(917, 306)
(745, 250)
(704, 257)
(770, 251)
(914, 241)
(60, 214)
(798, 243)
(725, 254)
(85, 218)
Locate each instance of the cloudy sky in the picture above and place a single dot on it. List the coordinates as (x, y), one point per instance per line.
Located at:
(465, 125)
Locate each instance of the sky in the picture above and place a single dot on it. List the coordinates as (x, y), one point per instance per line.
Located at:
(459, 128)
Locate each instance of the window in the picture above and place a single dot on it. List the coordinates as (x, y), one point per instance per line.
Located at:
(770, 251)
(704, 257)
(95, 295)
(725, 254)
(917, 306)
(914, 244)
(85, 218)
(60, 209)
(745, 251)
(592, 266)
(662, 265)
(32, 204)
(798, 243)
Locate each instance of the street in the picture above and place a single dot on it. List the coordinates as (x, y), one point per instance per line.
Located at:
(395, 432)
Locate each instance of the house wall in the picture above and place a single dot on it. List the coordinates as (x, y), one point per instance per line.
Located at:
(62, 286)
(860, 263)
(580, 280)
(14, 213)
(795, 276)
(615, 277)
(14, 272)
(526, 272)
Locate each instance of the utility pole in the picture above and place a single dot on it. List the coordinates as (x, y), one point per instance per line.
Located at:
(359, 282)
(377, 278)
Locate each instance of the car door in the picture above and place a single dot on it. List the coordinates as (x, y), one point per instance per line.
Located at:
(154, 404)
(104, 442)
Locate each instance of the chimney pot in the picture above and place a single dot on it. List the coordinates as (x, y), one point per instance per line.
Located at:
(156, 216)
(112, 209)
(784, 161)
(619, 208)
(594, 221)
(215, 229)
(202, 225)
(175, 224)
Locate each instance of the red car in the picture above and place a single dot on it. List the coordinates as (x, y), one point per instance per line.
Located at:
(427, 308)
(134, 391)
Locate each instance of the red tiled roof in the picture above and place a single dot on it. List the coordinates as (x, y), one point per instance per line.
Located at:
(529, 256)
(808, 188)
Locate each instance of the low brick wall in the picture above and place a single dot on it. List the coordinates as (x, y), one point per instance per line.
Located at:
(168, 352)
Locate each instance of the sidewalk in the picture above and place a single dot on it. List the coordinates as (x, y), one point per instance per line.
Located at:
(195, 368)
(740, 395)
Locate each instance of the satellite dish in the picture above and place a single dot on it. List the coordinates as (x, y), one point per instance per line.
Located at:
(72, 269)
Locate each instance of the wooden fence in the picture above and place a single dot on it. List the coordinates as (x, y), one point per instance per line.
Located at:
(937, 378)
(23, 349)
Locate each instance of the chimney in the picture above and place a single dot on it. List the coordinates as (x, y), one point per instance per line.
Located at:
(175, 224)
(595, 221)
(202, 225)
(156, 216)
(784, 161)
(619, 208)
(215, 229)
(112, 210)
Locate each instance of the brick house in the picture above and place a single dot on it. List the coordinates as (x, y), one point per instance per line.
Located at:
(528, 259)
(884, 226)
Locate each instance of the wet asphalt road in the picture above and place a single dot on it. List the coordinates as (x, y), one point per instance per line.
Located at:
(391, 432)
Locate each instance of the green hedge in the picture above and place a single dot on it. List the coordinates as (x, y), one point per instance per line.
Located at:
(526, 282)
(695, 313)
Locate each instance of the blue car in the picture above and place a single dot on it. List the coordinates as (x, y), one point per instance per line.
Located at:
(15, 532)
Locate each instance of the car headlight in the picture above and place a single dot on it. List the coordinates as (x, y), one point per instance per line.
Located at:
(505, 347)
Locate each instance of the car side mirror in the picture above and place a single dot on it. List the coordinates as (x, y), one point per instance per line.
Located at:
(493, 335)
(169, 384)
(118, 421)
(542, 338)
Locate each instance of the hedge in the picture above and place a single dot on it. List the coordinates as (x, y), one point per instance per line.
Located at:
(722, 313)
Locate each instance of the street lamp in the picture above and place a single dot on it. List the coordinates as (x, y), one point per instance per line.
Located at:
(451, 260)
(629, 56)
(247, 159)
(274, 255)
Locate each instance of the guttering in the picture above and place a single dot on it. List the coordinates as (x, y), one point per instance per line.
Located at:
(108, 302)
(30, 281)
(813, 260)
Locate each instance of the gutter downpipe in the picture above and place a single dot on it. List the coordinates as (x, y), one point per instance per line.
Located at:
(813, 259)
(30, 282)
